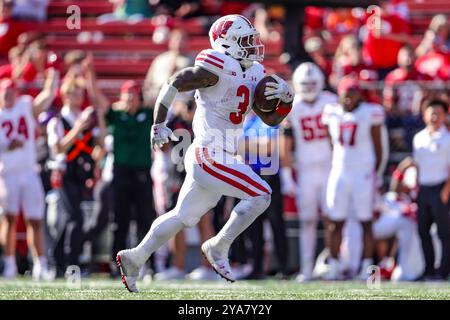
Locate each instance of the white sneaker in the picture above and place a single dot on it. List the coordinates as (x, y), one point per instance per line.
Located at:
(306, 274)
(301, 277)
(129, 270)
(9, 273)
(10, 270)
(203, 273)
(220, 264)
(172, 273)
(334, 272)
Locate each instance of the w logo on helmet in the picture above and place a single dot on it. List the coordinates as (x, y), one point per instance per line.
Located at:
(221, 28)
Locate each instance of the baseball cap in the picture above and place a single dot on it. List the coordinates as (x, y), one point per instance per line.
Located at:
(130, 86)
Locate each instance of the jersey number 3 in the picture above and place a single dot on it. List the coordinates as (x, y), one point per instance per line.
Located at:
(237, 117)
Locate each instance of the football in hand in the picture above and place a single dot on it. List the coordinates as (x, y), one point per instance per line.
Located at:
(260, 99)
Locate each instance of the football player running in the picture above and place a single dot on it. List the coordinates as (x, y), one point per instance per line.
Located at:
(306, 132)
(224, 78)
(355, 128)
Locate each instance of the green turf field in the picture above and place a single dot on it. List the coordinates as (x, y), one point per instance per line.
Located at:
(102, 288)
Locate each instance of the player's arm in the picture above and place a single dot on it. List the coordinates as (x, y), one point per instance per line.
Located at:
(375, 132)
(48, 93)
(96, 95)
(398, 174)
(275, 117)
(325, 121)
(188, 79)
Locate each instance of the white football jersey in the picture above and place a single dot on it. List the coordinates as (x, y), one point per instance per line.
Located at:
(350, 133)
(312, 145)
(214, 124)
(18, 123)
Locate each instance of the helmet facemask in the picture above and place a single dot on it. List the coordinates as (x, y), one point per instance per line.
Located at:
(250, 49)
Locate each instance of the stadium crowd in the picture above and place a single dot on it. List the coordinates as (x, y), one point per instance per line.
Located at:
(101, 184)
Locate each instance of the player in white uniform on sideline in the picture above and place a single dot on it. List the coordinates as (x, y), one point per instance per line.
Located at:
(398, 215)
(355, 128)
(224, 79)
(20, 185)
(312, 158)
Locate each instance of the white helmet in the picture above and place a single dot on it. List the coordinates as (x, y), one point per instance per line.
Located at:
(235, 35)
(308, 81)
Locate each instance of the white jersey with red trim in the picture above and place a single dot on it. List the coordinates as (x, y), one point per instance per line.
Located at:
(350, 133)
(214, 124)
(18, 123)
(312, 145)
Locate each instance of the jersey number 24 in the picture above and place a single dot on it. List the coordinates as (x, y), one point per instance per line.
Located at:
(22, 128)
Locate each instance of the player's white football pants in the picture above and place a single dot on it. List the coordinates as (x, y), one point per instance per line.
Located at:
(210, 174)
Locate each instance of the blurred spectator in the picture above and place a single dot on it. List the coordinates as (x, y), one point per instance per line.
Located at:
(127, 10)
(10, 28)
(20, 186)
(432, 158)
(179, 9)
(316, 50)
(348, 61)
(166, 64)
(398, 7)
(402, 92)
(436, 62)
(78, 64)
(388, 31)
(314, 18)
(342, 21)
(438, 30)
(73, 138)
(29, 67)
(130, 122)
(35, 10)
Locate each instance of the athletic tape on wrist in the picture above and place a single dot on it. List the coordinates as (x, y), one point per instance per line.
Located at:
(167, 95)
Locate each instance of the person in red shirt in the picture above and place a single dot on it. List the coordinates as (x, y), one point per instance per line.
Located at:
(348, 61)
(386, 34)
(404, 89)
(10, 28)
(404, 86)
(436, 63)
(28, 69)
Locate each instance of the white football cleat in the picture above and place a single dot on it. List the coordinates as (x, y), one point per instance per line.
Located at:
(220, 265)
(128, 269)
